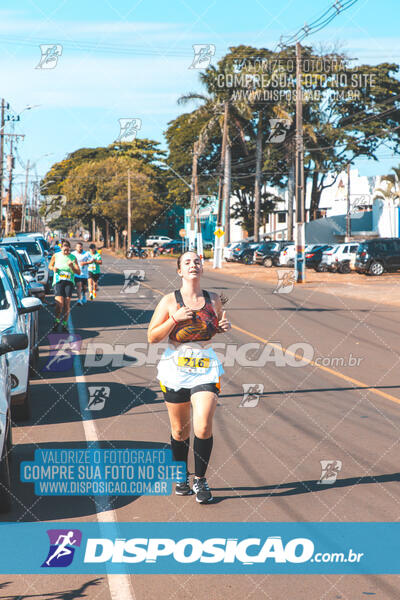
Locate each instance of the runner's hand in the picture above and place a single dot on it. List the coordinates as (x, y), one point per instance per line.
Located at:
(183, 314)
(224, 324)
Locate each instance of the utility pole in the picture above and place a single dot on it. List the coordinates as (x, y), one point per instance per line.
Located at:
(300, 212)
(129, 236)
(348, 216)
(3, 106)
(257, 186)
(291, 190)
(10, 166)
(227, 196)
(224, 176)
(24, 204)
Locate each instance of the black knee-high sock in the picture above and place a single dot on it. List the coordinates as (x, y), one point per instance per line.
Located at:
(202, 452)
(180, 450)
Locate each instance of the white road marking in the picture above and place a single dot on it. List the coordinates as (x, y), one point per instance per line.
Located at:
(120, 585)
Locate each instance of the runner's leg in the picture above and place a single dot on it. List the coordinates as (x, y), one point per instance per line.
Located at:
(204, 405)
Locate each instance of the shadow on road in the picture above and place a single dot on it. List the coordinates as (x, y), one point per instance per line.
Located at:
(28, 507)
(53, 402)
(300, 487)
(79, 592)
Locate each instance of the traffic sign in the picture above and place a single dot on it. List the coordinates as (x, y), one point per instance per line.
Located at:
(182, 233)
(219, 232)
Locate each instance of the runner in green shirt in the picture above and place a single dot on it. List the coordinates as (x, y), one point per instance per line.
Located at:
(64, 266)
(94, 271)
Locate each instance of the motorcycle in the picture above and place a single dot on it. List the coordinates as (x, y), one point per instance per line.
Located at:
(136, 251)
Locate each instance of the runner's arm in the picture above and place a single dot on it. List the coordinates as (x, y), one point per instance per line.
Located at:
(75, 267)
(223, 323)
(51, 263)
(161, 323)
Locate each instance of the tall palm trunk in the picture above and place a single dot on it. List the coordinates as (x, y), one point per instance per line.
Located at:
(223, 153)
(227, 193)
(194, 186)
(257, 184)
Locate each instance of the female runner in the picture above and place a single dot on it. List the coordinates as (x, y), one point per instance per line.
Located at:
(189, 370)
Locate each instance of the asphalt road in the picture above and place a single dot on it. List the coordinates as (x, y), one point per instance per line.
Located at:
(342, 405)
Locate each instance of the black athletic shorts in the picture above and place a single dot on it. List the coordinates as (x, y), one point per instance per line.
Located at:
(94, 276)
(184, 394)
(63, 289)
(82, 280)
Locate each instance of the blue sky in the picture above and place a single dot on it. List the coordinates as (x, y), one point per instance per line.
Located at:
(125, 59)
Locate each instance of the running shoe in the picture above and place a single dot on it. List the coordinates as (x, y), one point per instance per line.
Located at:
(79, 303)
(202, 491)
(64, 328)
(90, 296)
(183, 487)
(84, 299)
(56, 325)
(94, 294)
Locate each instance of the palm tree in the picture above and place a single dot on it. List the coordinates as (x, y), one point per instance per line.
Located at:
(218, 108)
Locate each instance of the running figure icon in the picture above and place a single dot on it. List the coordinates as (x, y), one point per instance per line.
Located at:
(62, 550)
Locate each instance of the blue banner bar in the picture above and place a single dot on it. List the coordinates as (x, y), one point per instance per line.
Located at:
(206, 548)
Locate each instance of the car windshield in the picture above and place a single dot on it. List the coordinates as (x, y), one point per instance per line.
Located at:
(3, 298)
(10, 273)
(32, 248)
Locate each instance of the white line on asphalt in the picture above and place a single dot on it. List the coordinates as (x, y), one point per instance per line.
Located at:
(120, 585)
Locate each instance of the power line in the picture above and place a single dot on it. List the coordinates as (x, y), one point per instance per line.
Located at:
(320, 23)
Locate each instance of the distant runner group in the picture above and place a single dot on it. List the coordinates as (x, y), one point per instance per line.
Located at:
(80, 269)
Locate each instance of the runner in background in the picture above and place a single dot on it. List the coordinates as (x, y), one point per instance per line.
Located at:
(64, 266)
(81, 281)
(94, 270)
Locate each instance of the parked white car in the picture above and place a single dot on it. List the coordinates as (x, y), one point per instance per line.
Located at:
(331, 259)
(8, 343)
(13, 320)
(228, 251)
(157, 240)
(288, 254)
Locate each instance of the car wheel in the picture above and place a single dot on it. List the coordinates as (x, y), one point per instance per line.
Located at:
(22, 412)
(344, 269)
(5, 482)
(267, 262)
(376, 268)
